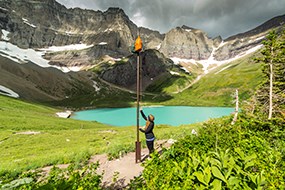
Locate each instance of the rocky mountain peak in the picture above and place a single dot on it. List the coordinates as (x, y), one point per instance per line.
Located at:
(116, 11)
(41, 23)
(187, 27)
(44, 23)
(186, 42)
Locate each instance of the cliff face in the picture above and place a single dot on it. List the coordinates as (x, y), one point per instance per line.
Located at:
(34, 24)
(124, 74)
(238, 46)
(44, 23)
(189, 43)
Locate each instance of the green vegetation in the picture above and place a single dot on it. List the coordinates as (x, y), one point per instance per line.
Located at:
(32, 136)
(170, 83)
(215, 88)
(74, 177)
(247, 155)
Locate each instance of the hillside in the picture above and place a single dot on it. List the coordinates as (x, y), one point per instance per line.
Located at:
(217, 87)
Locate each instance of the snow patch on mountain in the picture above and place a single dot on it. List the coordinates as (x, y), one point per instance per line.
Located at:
(174, 73)
(5, 34)
(70, 33)
(3, 9)
(102, 43)
(66, 48)
(96, 86)
(211, 62)
(108, 30)
(27, 22)
(8, 92)
(22, 56)
(158, 46)
(68, 69)
(177, 60)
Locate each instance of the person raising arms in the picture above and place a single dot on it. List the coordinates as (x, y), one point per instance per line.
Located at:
(148, 130)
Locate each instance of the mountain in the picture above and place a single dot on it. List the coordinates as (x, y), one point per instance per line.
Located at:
(41, 37)
(154, 64)
(38, 24)
(34, 83)
(242, 42)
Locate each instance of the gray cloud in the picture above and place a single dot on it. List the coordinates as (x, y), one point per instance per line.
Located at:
(215, 17)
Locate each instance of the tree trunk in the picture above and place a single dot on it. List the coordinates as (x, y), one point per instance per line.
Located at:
(271, 86)
(236, 110)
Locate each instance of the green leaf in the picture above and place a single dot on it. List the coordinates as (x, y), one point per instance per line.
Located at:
(216, 162)
(207, 174)
(260, 180)
(200, 177)
(229, 171)
(233, 181)
(249, 164)
(240, 153)
(249, 158)
(217, 184)
(218, 174)
(253, 178)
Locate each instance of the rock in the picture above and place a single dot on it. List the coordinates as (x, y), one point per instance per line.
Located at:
(125, 73)
(194, 132)
(30, 26)
(188, 43)
(171, 141)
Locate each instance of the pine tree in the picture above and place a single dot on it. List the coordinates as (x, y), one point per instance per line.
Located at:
(279, 82)
(271, 95)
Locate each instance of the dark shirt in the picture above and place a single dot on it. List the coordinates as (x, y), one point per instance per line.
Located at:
(149, 131)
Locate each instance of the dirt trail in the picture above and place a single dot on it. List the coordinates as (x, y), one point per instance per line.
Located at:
(123, 169)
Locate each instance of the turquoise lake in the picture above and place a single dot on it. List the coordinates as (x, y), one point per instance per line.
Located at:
(170, 115)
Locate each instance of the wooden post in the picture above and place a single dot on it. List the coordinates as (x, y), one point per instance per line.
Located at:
(138, 143)
(236, 109)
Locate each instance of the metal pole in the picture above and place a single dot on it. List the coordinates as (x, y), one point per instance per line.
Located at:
(138, 143)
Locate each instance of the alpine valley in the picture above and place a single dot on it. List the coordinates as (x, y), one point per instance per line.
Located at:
(82, 58)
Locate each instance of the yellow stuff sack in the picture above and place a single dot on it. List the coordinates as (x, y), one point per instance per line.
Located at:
(138, 44)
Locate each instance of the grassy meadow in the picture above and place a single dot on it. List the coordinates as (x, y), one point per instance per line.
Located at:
(58, 140)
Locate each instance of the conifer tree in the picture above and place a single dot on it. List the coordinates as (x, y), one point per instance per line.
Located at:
(271, 95)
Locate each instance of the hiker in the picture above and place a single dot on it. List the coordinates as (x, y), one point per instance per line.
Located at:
(148, 130)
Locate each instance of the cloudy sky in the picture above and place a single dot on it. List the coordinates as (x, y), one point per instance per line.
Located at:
(215, 17)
